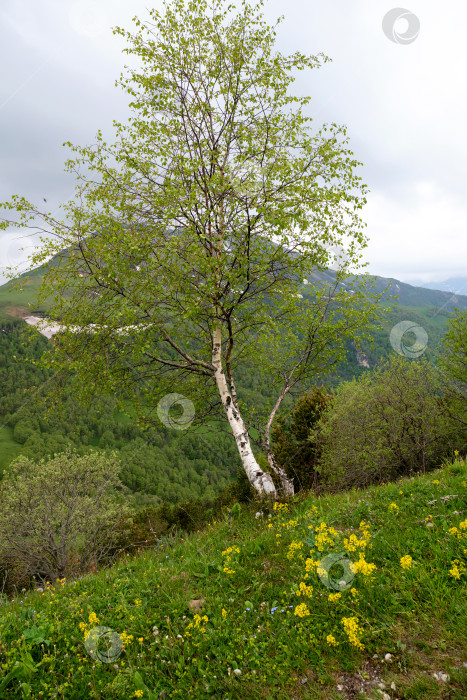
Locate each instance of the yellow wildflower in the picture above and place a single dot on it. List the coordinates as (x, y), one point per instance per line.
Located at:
(353, 543)
(93, 619)
(353, 631)
(362, 567)
(310, 565)
(304, 590)
(324, 537)
(126, 638)
(455, 532)
(458, 568)
(301, 610)
(331, 640)
(406, 562)
(293, 548)
(282, 507)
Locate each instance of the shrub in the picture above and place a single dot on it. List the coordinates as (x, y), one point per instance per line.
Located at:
(392, 422)
(453, 363)
(57, 517)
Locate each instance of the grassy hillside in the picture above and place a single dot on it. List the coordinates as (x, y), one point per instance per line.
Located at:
(239, 611)
(21, 303)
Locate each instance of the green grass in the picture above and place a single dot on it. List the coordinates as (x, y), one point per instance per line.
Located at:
(249, 619)
(14, 302)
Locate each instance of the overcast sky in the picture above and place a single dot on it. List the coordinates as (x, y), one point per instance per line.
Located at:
(403, 99)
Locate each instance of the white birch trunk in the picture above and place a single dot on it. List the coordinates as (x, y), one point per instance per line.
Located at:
(286, 483)
(261, 481)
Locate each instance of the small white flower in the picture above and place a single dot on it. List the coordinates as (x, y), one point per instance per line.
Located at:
(237, 672)
(441, 676)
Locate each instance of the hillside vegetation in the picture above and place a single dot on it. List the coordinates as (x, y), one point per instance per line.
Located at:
(254, 606)
(157, 463)
(205, 461)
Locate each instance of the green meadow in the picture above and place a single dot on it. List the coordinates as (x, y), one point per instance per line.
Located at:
(361, 594)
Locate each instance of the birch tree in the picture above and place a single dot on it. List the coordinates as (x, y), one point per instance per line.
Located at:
(186, 245)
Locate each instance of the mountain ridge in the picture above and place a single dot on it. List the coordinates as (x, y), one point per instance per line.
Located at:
(441, 301)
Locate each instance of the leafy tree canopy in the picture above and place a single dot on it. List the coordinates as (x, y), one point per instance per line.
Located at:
(184, 246)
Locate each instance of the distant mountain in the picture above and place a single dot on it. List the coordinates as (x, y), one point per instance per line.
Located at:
(408, 295)
(457, 285)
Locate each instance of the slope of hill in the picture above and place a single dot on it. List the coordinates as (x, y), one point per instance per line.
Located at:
(260, 607)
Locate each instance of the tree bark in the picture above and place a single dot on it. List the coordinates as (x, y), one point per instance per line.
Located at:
(286, 483)
(261, 481)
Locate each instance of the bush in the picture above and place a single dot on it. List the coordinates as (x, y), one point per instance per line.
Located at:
(57, 517)
(390, 423)
(453, 363)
